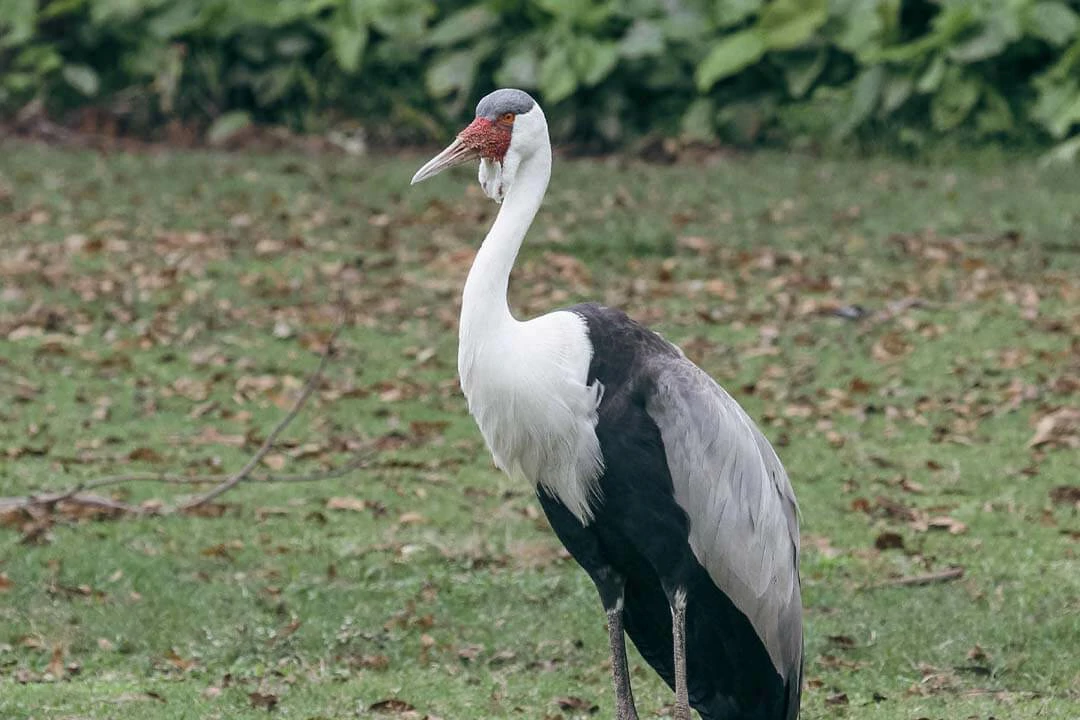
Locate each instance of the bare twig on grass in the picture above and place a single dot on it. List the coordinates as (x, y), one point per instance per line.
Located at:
(79, 496)
(100, 502)
(362, 458)
(268, 443)
(73, 495)
(953, 573)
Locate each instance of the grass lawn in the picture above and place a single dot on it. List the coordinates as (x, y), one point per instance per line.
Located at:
(908, 336)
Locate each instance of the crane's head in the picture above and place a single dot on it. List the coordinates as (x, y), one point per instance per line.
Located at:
(509, 127)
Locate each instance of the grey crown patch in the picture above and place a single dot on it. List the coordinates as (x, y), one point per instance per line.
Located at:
(503, 101)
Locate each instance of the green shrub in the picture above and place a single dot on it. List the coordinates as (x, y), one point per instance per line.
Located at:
(746, 70)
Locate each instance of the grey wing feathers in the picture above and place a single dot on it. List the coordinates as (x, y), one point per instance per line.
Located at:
(744, 526)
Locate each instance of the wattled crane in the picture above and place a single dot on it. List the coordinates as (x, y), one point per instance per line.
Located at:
(660, 486)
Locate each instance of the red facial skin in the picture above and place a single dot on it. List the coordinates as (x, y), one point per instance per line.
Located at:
(491, 139)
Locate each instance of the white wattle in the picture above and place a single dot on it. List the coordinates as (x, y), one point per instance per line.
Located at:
(526, 382)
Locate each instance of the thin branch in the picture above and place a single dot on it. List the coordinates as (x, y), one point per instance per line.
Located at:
(953, 573)
(255, 459)
(18, 503)
(102, 502)
(47, 500)
(361, 459)
(73, 495)
(163, 478)
(78, 496)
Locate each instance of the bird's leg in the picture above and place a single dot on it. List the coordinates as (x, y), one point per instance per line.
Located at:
(583, 543)
(678, 630)
(620, 671)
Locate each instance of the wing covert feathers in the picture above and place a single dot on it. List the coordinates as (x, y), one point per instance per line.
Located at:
(744, 526)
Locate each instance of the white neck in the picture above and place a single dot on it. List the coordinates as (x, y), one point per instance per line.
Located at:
(526, 383)
(484, 308)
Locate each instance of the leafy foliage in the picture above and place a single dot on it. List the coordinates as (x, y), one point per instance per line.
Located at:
(744, 69)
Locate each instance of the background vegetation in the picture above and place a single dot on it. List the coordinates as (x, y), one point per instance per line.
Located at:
(743, 70)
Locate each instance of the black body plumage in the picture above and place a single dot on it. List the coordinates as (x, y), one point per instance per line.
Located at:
(639, 536)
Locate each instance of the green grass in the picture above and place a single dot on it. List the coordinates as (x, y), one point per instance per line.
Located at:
(175, 302)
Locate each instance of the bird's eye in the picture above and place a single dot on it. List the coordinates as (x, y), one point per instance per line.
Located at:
(507, 118)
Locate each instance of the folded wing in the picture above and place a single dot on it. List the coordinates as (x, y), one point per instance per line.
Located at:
(744, 526)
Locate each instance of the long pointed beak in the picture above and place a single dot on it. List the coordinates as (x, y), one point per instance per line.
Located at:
(455, 154)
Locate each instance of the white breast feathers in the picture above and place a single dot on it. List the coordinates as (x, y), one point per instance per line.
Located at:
(526, 387)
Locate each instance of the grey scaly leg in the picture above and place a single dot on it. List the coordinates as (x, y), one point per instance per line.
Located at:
(678, 629)
(620, 672)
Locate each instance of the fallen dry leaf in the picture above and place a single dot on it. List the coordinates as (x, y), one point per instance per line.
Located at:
(346, 503)
(372, 662)
(568, 267)
(889, 541)
(207, 510)
(212, 436)
(861, 504)
(32, 642)
(424, 430)
(219, 550)
(570, 702)
(265, 512)
(833, 662)
(275, 461)
(889, 347)
(174, 659)
(390, 706)
(894, 509)
(858, 386)
(944, 522)
(911, 487)
(695, 243)
(264, 700)
(934, 681)
(307, 450)
(502, 657)
(843, 641)
(469, 652)
(837, 699)
(56, 663)
(1060, 427)
(145, 454)
(289, 629)
(1062, 495)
